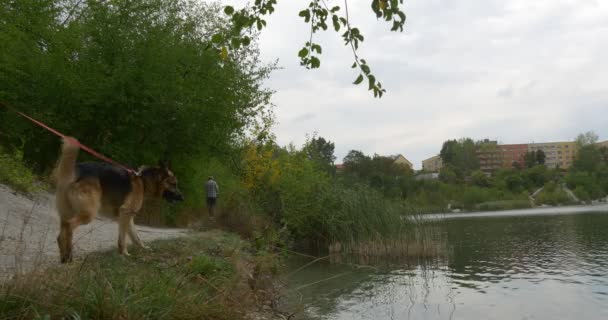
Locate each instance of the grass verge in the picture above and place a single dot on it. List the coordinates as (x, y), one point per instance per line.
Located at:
(211, 275)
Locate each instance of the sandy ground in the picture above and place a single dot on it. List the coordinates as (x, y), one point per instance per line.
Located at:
(29, 228)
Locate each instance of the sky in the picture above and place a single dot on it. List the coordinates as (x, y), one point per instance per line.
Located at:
(515, 71)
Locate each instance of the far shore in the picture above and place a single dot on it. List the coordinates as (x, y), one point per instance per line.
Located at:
(545, 210)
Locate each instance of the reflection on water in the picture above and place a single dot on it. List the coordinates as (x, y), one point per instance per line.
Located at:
(518, 267)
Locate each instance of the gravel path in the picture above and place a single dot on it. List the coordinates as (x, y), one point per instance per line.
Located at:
(29, 227)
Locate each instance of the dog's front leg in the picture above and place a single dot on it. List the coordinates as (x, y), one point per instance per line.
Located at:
(123, 227)
(134, 236)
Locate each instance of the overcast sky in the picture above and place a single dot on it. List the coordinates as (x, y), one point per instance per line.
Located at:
(516, 71)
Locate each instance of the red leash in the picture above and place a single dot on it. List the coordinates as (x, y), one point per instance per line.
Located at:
(72, 140)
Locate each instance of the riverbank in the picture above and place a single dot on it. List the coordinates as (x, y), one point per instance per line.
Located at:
(546, 210)
(209, 274)
(206, 275)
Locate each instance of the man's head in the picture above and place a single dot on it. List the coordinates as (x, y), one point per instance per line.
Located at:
(210, 177)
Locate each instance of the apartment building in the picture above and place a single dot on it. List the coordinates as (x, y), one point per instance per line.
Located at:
(513, 154)
(489, 155)
(557, 154)
(493, 156)
(432, 164)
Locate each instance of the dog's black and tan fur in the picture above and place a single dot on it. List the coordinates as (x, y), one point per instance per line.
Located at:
(85, 189)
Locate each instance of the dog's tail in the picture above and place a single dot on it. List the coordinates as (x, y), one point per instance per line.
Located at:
(65, 171)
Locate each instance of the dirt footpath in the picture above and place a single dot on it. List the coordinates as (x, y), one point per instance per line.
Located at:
(29, 228)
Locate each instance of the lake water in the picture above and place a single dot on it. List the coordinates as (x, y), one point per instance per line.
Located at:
(517, 266)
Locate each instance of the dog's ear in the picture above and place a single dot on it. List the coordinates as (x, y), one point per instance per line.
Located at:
(164, 164)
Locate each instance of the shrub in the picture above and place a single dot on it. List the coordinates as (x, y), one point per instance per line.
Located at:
(581, 193)
(15, 174)
(552, 194)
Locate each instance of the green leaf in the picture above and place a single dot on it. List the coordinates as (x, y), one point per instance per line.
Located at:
(235, 43)
(216, 38)
(382, 4)
(372, 81)
(359, 79)
(354, 65)
(365, 69)
(246, 41)
(401, 15)
(336, 22)
(315, 62)
(376, 8)
(229, 10)
(305, 14)
(317, 48)
(303, 53)
(395, 26)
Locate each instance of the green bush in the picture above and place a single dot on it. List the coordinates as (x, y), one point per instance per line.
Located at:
(581, 193)
(553, 194)
(15, 174)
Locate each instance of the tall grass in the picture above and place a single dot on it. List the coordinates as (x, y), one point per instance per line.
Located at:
(359, 213)
(204, 277)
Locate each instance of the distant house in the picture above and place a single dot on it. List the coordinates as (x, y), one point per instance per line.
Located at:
(432, 164)
(401, 160)
(602, 144)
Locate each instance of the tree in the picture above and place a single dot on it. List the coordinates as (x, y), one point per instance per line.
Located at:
(480, 179)
(537, 176)
(449, 152)
(588, 159)
(540, 157)
(132, 79)
(587, 138)
(357, 162)
(461, 155)
(321, 151)
(318, 15)
(530, 159)
(447, 175)
(516, 165)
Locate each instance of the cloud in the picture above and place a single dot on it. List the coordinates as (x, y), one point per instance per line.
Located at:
(303, 117)
(510, 70)
(505, 92)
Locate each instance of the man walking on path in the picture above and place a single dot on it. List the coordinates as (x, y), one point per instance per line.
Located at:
(212, 192)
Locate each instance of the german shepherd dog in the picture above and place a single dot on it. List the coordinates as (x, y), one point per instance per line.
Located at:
(85, 189)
